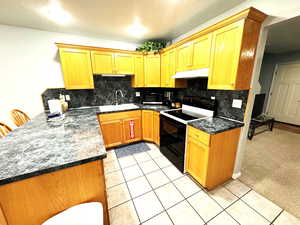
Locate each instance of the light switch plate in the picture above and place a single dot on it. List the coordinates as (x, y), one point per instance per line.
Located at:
(67, 97)
(212, 97)
(137, 94)
(237, 103)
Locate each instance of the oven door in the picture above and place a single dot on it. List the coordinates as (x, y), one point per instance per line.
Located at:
(172, 140)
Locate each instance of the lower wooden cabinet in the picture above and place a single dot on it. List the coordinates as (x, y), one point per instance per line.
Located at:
(128, 127)
(121, 128)
(210, 158)
(147, 116)
(156, 128)
(112, 132)
(132, 128)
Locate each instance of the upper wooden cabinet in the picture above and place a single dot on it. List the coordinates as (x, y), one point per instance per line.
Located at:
(138, 80)
(226, 47)
(194, 54)
(168, 69)
(201, 51)
(77, 68)
(184, 57)
(152, 70)
(106, 62)
(124, 63)
(233, 54)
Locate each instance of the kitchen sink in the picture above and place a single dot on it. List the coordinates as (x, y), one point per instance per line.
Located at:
(111, 108)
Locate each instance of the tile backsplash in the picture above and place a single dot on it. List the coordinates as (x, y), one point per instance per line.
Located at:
(105, 87)
(103, 94)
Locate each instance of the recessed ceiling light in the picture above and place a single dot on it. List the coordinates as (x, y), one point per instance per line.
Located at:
(136, 29)
(56, 13)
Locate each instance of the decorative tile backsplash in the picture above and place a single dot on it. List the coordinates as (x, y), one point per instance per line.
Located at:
(103, 94)
(105, 87)
(197, 87)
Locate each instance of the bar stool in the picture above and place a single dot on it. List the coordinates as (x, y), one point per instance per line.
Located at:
(19, 117)
(4, 130)
(82, 214)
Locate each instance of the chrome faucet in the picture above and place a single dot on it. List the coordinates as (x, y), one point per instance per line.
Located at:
(116, 93)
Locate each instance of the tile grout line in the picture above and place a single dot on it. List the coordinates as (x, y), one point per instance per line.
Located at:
(277, 217)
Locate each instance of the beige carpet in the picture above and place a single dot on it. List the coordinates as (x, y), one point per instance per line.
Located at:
(272, 167)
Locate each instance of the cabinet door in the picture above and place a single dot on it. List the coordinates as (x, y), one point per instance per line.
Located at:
(164, 79)
(152, 70)
(156, 128)
(132, 128)
(172, 69)
(138, 80)
(184, 57)
(77, 68)
(197, 160)
(226, 46)
(147, 118)
(112, 132)
(124, 63)
(103, 62)
(201, 51)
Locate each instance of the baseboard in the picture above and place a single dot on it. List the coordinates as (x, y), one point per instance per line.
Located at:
(236, 175)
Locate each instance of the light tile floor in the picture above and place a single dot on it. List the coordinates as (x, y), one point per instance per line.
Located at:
(144, 188)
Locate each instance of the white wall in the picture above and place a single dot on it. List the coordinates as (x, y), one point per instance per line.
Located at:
(278, 11)
(29, 65)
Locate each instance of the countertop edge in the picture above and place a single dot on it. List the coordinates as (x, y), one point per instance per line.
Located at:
(51, 169)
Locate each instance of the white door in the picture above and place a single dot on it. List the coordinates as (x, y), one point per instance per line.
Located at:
(285, 98)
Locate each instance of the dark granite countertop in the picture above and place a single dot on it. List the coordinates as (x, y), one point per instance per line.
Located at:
(156, 108)
(43, 146)
(215, 125)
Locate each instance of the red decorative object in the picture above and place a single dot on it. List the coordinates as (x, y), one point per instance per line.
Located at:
(131, 125)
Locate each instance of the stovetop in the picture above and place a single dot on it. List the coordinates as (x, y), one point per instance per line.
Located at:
(184, 115)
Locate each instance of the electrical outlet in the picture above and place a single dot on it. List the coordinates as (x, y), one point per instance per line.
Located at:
(67, 97)
(137, 94)
(237, 103)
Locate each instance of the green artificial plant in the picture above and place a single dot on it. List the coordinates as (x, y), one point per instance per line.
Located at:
(151, 46)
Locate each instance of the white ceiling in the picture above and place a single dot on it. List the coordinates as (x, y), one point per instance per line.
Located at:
(108, 19)
(284, 36)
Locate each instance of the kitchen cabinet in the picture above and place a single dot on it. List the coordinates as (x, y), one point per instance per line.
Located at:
(107, 62)
(121, 127)
(124, 63)
(103, 62)
(138, 80)
(201, 52)
(168, 69)
(156, 128)
(197, 159)
(232, 55)
(77, 68)
(151, 126)
(184, 57)
(112, 132)
(132, 128)
(210, 158)
(148, 123)
(152, 70)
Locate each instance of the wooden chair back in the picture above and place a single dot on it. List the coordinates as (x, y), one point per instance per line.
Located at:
(4, 130)
(19, 117)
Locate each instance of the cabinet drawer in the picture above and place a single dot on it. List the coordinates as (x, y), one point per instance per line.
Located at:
(119, 115)
(199, 135)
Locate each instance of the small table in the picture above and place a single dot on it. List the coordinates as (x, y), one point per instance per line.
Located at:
(258, 122)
